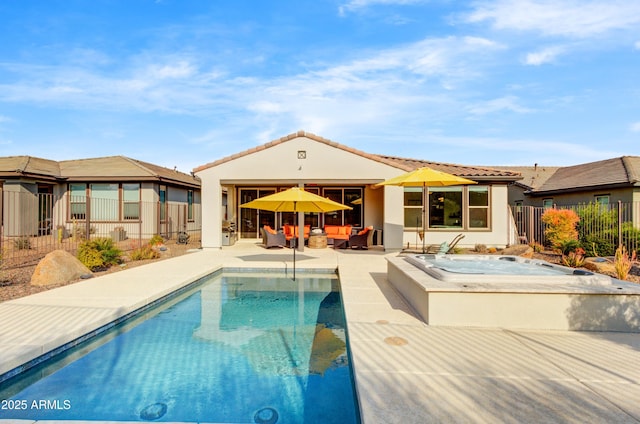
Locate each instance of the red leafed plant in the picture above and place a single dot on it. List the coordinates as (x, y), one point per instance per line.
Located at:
(561, 226)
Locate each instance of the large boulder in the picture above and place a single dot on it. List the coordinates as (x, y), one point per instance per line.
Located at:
(58, 267)
(523, 250)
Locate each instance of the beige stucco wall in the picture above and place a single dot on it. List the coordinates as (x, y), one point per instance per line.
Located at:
(279, 165)
(327, 165)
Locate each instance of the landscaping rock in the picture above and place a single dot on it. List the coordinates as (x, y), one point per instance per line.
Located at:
(58, 267)
(600, 265)
(523, 250)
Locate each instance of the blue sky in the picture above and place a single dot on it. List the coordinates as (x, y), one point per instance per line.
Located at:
(185, 82)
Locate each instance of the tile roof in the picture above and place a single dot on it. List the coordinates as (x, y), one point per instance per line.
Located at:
(396, 162)
(467, 171)
(29, 166)
(111, 168)
(122, 168)
(621, 171)
(532, 176)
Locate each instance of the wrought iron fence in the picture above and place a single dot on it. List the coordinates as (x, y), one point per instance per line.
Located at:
(601, 229)
(32, 225)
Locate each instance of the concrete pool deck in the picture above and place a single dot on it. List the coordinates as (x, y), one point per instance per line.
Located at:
(406, 371)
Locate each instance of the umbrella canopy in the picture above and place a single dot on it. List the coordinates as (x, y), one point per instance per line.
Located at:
(295, 199)
(422, 177)
(426, 177)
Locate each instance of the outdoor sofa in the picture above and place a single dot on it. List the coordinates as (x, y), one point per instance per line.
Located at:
(337, 232)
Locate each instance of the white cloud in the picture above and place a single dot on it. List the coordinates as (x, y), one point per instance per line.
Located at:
(637, 45)
(544, 56)
(182, 69)
(569, 18)
(355, 5)
(635, 127)
(365, 89)
(507, 103)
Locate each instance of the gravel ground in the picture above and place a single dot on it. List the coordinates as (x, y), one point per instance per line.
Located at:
(15, 282)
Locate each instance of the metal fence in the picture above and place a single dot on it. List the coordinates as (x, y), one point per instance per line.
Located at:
(32, 225)
(601, 229)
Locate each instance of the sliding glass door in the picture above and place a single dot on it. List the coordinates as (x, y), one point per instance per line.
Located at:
(251, 220)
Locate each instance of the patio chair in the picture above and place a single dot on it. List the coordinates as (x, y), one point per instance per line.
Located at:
(363, 239)
(272, 238)
(444, 247)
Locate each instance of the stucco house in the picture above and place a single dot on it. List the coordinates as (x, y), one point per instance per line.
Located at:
(607, 181)
(40, 195)
(350, 176)
(614, 184)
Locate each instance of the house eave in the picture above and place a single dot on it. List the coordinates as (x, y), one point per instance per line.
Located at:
(541, 193)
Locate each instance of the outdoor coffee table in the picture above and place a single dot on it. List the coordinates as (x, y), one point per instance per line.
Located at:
(317, 241)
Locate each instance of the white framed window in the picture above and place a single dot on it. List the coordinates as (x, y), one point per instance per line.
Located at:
(131, 201)
(460, 207)
(478, 206)
(77, 201)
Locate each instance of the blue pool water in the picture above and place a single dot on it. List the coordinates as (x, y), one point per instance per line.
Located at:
(237, 349)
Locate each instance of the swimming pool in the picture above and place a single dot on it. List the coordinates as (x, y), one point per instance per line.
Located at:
(239, 348)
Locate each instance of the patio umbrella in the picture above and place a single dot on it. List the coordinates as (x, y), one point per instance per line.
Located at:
(295, 200)
(426, 177)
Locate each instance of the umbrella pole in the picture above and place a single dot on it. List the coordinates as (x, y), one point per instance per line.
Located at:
(295, 243)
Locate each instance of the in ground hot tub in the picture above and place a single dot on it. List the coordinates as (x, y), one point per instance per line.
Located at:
(513, 292)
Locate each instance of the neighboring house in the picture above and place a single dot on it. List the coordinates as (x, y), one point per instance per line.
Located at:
(605, 182)
(612, 183)
(350, 176)
(99, 194)
(532, 178)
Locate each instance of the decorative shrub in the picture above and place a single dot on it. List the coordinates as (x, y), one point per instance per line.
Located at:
(480, 248)
(90, 257)
(574, 258)
(537, 247)
(568, 246)
(156, 240)
(561, 226)
(623, 262)
(598, 244)
(144, 252)
(99, 253)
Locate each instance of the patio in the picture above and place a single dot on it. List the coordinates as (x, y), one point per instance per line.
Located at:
(406, 371)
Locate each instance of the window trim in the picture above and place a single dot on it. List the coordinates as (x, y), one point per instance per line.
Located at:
(88, 200)
(190, 203)
(465, 223)
(124, 202)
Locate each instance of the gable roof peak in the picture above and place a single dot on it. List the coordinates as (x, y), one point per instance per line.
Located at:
(293, 136)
